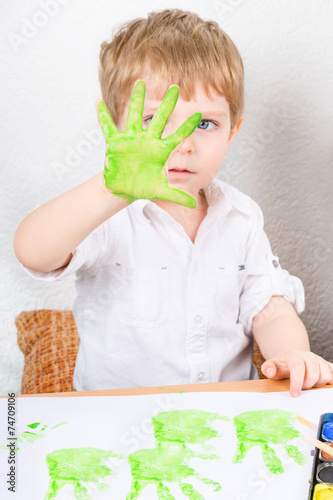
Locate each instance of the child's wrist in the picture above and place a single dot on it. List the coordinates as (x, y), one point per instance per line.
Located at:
(108, 193)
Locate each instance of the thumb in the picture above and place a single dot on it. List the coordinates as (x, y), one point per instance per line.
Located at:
(275, 368)
(166, 192)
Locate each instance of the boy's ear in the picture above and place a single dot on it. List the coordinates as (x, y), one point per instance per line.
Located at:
(233, 132)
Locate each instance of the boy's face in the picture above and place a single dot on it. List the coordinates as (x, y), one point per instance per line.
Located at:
(200, 155)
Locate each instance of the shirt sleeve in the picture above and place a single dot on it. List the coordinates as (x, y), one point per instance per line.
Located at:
(88, 252)
(265, 277)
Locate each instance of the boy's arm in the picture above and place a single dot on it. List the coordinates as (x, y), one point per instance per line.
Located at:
(46, 238)
(284, 343)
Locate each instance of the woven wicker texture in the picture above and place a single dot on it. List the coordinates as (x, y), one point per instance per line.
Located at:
(258, 359)
(49, 341)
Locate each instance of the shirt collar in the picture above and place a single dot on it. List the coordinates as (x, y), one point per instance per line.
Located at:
(221, 199)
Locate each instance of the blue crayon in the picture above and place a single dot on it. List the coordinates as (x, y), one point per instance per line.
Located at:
(327, 432)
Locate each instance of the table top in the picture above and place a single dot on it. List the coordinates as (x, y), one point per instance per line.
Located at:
(263, 385)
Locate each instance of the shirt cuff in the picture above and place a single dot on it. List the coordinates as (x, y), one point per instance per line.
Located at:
(290, 287)
(277, 283)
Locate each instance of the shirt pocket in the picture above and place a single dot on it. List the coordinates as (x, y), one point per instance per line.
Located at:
(141, 296)
(228, 291)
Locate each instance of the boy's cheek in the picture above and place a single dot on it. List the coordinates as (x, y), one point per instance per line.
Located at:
(168, 129)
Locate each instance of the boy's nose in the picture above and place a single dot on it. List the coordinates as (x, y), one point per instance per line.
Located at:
(183, 149)
(186, 146)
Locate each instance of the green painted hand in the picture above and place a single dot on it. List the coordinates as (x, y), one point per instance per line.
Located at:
(135, 158)
(259, 428)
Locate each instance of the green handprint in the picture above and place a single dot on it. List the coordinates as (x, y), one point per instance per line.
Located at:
(261, 427)
(168, 461)
(76, 467)
(185, 426)
(180, 436)
(165, 463)
(135, 158)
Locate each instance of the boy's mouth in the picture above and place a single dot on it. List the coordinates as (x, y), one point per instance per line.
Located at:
(175, 172)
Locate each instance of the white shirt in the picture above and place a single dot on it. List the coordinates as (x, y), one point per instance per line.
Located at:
(153, 308)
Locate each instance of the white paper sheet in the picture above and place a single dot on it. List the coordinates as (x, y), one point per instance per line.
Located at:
(123, 425)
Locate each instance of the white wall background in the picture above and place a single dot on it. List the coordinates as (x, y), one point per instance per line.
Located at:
(282, 157)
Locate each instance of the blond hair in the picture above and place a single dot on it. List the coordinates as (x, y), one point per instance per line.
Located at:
(180, 48)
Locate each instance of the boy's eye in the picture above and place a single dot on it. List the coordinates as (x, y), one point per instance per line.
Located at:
(146, 121)
(204, 124)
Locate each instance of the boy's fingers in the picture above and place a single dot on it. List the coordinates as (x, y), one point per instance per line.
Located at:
(303, 375)
(275, 369)
(325, 376)
(136, 105)
(312, 374)
(107, 125)
(159, 120)
(297, 375)
(269, 369)
(176, 196)
(183, 131)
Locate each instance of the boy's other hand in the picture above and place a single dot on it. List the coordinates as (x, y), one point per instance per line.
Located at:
(305, 369)
(135, 158)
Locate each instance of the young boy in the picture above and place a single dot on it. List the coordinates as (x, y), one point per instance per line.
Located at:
(174, 272)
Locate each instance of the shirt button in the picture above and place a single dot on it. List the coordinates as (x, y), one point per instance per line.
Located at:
(275, 263)
(201, 375)
(198, 318)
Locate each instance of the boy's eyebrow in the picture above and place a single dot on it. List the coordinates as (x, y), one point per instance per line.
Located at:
(220, 114)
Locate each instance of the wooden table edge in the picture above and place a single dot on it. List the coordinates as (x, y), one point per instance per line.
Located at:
(263, 385)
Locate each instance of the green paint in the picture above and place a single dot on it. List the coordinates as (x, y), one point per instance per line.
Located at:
(31, 437)
(169, 460)
(33, 426)
(294, 453)
(135, 158)
(76, 466)
(28, 437)
(185, 426)
(58, 425)
(264, 427)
